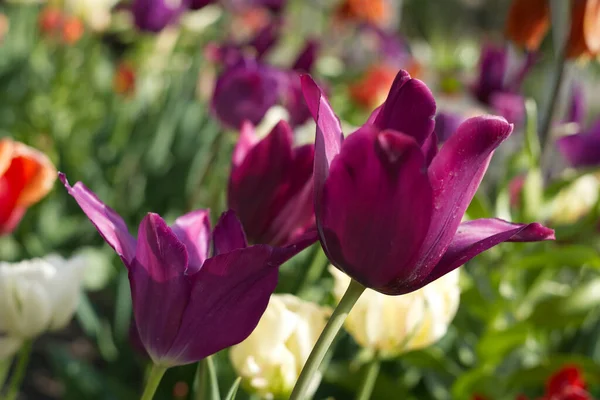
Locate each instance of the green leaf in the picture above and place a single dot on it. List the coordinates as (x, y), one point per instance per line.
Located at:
(233, 390)
(213, 380)
(532, 141)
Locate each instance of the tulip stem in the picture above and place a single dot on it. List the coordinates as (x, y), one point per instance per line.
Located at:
(19, 373)
(546, 136)
(370, 378)
(156, 374)
(331, 330)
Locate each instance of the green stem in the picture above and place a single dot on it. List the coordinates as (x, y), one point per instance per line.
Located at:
(156, 375)
(200, 381)
(19, 373)
(545, 131)
(331, 330)
(370, 378)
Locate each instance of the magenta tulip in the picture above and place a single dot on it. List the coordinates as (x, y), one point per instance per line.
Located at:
(389, 206)
(194, 292)
(270, 186)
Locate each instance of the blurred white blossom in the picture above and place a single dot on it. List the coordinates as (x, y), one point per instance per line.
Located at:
(95, 13)
(576, 200)
(36, 296)
(390, 325)
(271, 358)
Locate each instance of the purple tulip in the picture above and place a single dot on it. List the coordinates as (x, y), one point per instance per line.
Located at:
(389, 206)
(576, 107)
(582, 149)
(198, 4)
(246, 91)
(446, 123)
(307, 57)
(155, 15)
(500, 78)
(270, 186)
(187, 303)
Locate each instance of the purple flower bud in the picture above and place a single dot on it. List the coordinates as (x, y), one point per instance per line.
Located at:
(582, 149)
(446, 123)
(270, 186)
(189, 302)
(388, 205)
(155, 15)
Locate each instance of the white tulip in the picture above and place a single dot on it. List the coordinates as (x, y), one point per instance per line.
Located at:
(576, 200)
(95, 13)
(271, 358)
(36, 296)
(391, 325)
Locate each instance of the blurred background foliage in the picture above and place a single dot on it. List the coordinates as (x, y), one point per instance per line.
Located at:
(525, 310)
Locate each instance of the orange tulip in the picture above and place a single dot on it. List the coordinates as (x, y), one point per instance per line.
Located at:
(50, 20)
(371, 90)
(376, 12)
(584, 37)
(72, 30)
(26, 175)
(527, 22)
(124, 79)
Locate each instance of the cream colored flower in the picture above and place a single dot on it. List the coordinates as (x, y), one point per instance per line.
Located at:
(36, 296)
(271, 358)
(390, 325)
(575, 200)
(95, 13)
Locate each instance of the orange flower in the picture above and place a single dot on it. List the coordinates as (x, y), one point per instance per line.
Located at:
(376, 12)
(584, 37)
(527, 22)
(371, 90)
(26, 175)
(72, 30)
(124, 79)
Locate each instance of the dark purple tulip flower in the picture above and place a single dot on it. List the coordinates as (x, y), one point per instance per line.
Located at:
(307, 57)
(501, 75)
(198, 4)
(155, 15)
(195, 292)
(246, 91)
(582, 149)
(270, 186)
(388, 205)
(446, 123)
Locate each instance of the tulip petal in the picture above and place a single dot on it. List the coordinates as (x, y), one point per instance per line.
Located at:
(109, 224)
(245, 143)
(160, 289)
(455, 174)
(228, 234)
(582, 149)
(193, 230)
(229, 295)
(329, 136)
(377, 188)
(258, 187)
(477, 236)
(430, 148)
(409, 108)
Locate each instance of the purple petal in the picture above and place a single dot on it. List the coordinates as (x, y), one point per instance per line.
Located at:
(155, 15)
(268, 179)
(230, 294)
(246, 141)
(493, 64)
(430, 148)
(193, 230)
(228, 234)
(582, 149)
(374, 115)
(306, 57)
(329, 136)
(245, 92)
(409, 108)
(455, 174)
(509, 105)
(109, 224)
(160, 289)
(377, 203)
(446, 123)
(266, 38)
(474, 237)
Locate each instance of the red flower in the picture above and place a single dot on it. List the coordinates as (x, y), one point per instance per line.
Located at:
(567, 384)
(26, 175)
(124, 79)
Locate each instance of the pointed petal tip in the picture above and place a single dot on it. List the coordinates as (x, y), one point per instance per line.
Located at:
(63, 178)
(535, 232)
